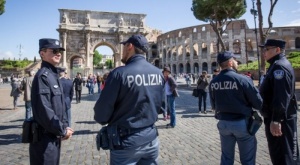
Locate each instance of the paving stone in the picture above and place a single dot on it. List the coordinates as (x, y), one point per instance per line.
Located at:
(194, 141)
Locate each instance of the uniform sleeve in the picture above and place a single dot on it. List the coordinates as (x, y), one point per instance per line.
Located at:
(43, 110)
(212, 98)
(72, 91)
(252, 94)
(104, 106)
(282, 89)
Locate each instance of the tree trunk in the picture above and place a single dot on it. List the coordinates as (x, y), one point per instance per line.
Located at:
(261, 34)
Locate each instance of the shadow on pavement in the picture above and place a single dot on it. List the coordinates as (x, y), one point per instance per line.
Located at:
(6, 109)
(9, 127)
(197, 115)
(16, 120)
(86, 122)
(84, 132)
(9, 139)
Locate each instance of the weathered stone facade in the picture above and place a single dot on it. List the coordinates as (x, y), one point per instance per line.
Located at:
(193, 49)
(82, 31)
(186, 50)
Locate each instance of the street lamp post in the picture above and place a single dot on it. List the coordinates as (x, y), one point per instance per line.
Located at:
(254, 13)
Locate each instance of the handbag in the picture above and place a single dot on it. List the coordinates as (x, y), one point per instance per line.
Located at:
(195, 92)
(254, 123)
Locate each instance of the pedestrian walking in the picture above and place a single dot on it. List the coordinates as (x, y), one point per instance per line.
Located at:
(77, 83)
(233, 96)
(171, 93)
(280, 105)
(15, 92)
(26, 86)
(129, 104)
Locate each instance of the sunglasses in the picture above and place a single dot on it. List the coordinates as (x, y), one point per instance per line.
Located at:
(55, 51)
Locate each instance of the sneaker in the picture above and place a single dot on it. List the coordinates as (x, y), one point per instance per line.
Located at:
(205, 112)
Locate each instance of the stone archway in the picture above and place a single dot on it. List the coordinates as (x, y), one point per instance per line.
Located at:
(82, 31)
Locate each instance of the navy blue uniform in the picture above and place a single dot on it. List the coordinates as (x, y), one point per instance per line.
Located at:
(131, 98)
(233, 96)
(48, 107)
(68, 90)
(280, 105)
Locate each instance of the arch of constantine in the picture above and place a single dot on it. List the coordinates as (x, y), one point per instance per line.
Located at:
(82, 31)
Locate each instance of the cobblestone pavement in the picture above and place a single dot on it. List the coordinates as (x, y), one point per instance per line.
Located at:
(194, 140)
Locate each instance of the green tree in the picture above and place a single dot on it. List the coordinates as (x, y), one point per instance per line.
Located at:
(109, 64)
(97, 58)
(2, 6)
(218, 13)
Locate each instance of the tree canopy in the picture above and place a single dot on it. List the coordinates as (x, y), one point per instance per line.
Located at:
(2, 6)
(109, 64)
(218, 13)
(97, 58)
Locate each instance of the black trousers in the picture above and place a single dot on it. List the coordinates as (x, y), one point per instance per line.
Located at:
(283, 149)
(202, 98)
(46, 151)
(78, 95)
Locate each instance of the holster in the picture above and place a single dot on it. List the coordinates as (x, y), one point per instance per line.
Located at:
(254, 123)
(108, 138)
(30, 133)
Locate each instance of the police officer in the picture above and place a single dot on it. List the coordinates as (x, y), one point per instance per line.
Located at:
(130, 100)
(233, 96)
(68, 90)
(48, 106)
(280, 105)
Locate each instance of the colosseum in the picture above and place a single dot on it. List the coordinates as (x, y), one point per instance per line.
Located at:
(193, 49)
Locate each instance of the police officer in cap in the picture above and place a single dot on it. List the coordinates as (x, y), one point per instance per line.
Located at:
(233, 96)
(48, 106)
(280, 105)
(130, 100)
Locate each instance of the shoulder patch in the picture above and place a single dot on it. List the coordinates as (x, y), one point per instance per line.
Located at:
(45, 73)
(278, 74)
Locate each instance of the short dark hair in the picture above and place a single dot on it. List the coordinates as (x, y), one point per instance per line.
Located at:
(138, 51)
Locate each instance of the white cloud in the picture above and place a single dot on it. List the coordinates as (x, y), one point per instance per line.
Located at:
(294, 23)
(6, 55)
(296, 11)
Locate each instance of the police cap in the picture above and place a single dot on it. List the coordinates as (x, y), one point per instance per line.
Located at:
(274, 42)
(139, 41)
(50, 43)
(224, 56)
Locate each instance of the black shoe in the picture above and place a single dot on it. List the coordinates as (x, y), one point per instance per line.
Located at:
(169, 125)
